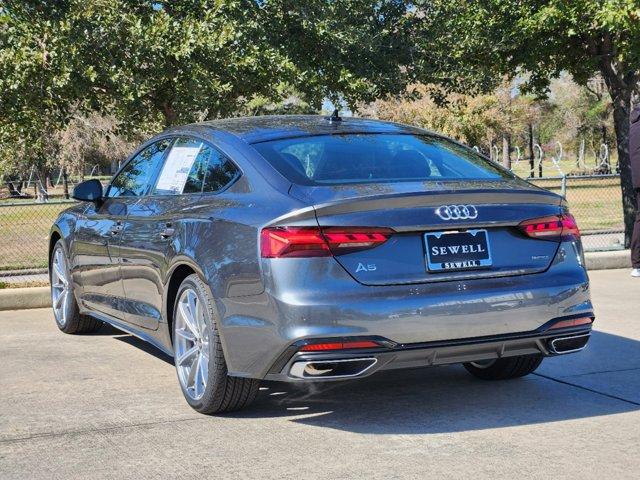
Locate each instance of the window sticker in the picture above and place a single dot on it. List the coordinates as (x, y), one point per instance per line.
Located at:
(176, 169)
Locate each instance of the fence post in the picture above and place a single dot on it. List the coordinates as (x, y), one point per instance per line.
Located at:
(563, 186)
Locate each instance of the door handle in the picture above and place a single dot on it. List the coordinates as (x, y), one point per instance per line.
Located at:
(167, 232)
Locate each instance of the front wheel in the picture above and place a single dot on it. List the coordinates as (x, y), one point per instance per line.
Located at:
(65, 307)
(198, 355)
(504, 368)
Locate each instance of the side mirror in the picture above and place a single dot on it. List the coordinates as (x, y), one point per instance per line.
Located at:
(89, 191)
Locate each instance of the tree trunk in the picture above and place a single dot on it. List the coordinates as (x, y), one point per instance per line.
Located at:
(621, 92)
(43, 177)
(506, 151)
(170, 115)
(621, 111)
(65, 183)
(532, 164)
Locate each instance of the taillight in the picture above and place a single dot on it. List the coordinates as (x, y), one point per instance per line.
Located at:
(572, 322)
(276, 242)
(556, 227)
(323, 347)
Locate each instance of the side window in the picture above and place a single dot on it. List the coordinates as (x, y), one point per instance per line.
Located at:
(184, 169)
(194, 166)
(135, 178)
(219, 173)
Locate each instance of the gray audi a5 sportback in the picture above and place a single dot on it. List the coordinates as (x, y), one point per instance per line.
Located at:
(305, 248)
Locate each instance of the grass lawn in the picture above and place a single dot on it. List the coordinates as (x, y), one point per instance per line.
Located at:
(24, 230)
(596, 203)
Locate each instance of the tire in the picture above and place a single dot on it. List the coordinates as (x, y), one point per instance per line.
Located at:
(505, 368)
(209, 389)
(65, 307)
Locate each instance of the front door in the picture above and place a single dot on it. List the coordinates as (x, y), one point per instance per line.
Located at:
(96, 258)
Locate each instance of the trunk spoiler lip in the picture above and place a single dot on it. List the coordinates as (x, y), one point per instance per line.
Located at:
(435, 199)
(308, 194)
(494, 196)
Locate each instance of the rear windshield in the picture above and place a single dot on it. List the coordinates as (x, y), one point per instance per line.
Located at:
(372, 158)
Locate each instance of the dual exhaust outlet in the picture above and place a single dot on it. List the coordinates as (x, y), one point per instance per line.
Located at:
(569, 344)
(344, 368)
(354, 367)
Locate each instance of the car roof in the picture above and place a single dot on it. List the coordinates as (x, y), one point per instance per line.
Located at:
(273, 127)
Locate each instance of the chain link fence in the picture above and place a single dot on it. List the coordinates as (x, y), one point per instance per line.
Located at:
(24, 230)
(595, 201)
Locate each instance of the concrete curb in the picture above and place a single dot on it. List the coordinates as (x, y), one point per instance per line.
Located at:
(23, 298)
(608, 260)
(39, 297)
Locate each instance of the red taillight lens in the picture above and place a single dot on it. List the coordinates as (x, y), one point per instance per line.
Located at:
(293, 242)
(557, 227)
(574, 322)
(276, 242)
(322, 347)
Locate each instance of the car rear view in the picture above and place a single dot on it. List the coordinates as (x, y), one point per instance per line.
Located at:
(418, 251)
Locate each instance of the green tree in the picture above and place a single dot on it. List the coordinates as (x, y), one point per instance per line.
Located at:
(478, 41)
(42, 78)
(154, 63)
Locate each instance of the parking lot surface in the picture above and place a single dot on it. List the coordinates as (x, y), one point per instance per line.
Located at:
(109, 406)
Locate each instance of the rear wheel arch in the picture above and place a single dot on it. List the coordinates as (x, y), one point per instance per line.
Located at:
(177, 276)
(53, 239)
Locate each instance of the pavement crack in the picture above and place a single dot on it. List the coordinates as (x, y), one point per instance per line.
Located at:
(94, 430)
(608, 395)
(615, 370)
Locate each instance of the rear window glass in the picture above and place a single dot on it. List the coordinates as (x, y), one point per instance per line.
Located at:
(371, 158)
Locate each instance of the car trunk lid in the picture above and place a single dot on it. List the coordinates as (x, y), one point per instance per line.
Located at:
(487, 218)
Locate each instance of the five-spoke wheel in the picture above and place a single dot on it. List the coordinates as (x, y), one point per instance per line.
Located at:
(200, 363)
(60, 286)
(191, 344)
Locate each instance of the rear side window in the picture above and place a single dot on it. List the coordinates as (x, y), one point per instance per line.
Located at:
(371, 158)
(219, 173)
(194, 166)
(135, 178)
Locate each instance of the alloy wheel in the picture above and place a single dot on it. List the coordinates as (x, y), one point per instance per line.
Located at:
(60, 287)
(191, 344)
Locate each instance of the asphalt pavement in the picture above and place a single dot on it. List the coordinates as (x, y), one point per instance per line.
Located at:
(108, 406)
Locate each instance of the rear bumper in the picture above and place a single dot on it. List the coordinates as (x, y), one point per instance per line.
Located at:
(426, 321)
(291, 365)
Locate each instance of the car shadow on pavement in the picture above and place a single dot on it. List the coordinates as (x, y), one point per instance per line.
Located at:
(108, 330)
(448, 399)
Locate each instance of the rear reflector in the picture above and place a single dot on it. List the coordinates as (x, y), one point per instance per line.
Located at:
(276, 242)
(557, 228)
(574, 322)
(323, 347)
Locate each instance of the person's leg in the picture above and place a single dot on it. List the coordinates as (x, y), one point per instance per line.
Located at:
(635, 239)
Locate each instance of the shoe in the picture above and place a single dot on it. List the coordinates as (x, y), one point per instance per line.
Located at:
(635, 272)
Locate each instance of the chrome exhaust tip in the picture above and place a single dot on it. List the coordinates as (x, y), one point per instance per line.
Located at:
(350, 367)
(570, 344)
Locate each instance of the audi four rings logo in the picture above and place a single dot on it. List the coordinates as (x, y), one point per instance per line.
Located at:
(457, 212)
